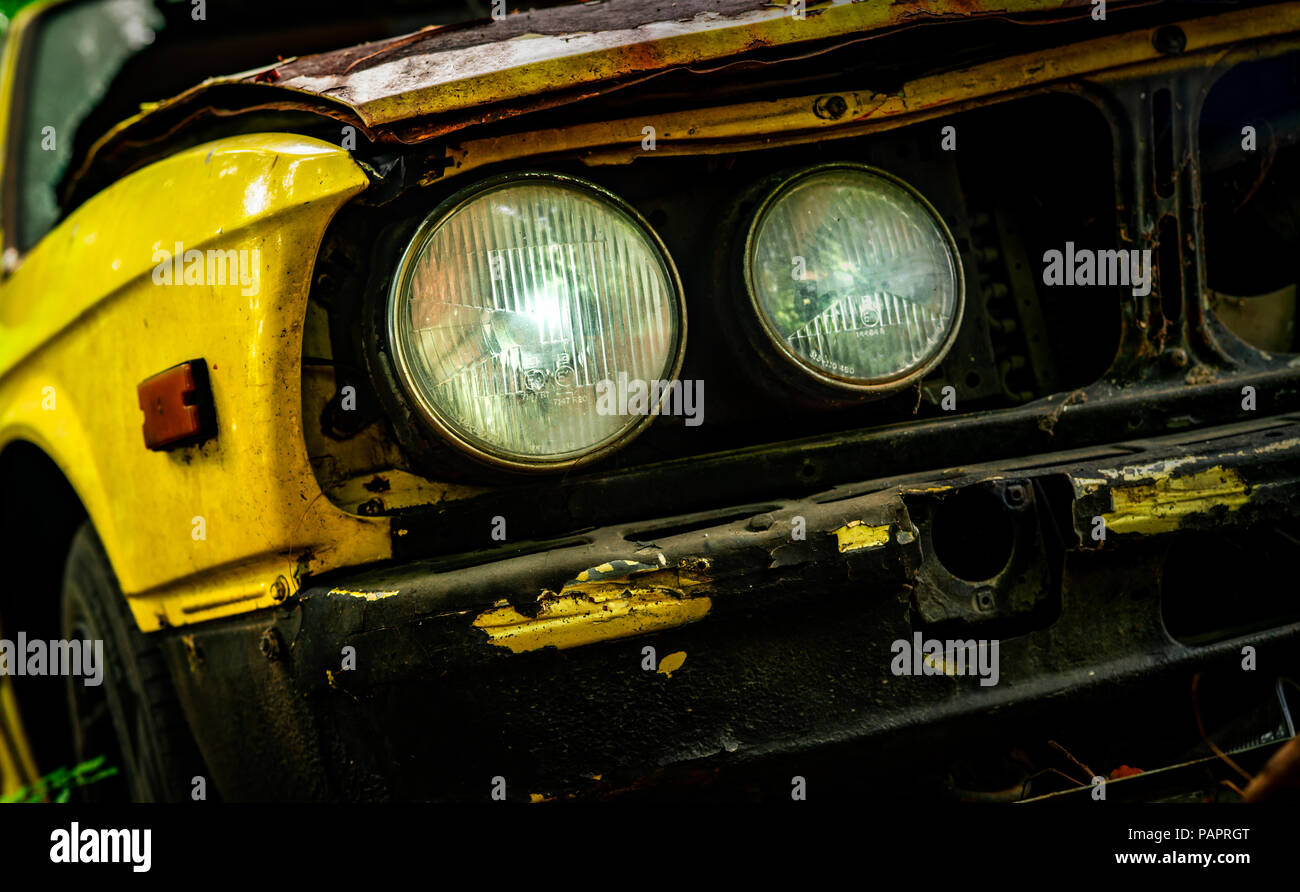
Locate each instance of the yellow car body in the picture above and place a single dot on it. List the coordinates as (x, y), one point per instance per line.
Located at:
(270, 193)
(186, 544)
(236, 525)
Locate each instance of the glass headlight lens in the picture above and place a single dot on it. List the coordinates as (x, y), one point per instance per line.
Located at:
(513, 305)
(854, 277)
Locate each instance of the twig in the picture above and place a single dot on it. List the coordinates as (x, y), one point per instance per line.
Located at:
(1200, 727)
(1236, 789)
(1091, 773)
(1072, 780)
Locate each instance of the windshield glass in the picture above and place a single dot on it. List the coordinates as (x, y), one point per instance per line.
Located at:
(76, 54)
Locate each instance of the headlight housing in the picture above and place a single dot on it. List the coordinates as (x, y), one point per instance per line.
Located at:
(853, 278)
(514, 301)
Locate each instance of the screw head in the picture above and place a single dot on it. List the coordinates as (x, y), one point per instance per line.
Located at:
(830, 107)
(280, 588)
(270, 645)
(1169, 40)
(760, 522)
(1015, 494)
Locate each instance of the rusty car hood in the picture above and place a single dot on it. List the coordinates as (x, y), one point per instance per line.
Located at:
(442, 79)
(458, 68)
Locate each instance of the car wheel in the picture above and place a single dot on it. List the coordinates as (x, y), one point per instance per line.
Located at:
(133, 717)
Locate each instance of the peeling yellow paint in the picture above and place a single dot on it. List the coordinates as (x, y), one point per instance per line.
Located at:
(857, 534)
(369, 596)
(192, 655)
(671, 663)
(936, 661)
(600, 610)
(1159, 504)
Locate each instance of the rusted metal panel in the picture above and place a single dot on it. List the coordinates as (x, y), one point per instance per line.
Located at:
(775, 121)
(446, 70)
(442, 79)
(787, 672)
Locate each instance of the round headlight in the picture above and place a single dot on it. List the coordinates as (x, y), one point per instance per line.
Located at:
(854, 277)
(515, 301)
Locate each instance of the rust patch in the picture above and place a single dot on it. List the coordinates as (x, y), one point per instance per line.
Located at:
(1048, 422)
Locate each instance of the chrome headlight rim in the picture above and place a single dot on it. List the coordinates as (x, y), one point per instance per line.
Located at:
(815, 379)
(424, 409)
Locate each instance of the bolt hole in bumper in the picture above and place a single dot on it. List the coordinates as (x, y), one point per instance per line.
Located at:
(775, 655)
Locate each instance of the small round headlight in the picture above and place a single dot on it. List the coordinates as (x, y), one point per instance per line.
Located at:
(515, 300)
(854, 278)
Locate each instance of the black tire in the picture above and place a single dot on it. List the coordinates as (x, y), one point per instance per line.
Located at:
(133, 718)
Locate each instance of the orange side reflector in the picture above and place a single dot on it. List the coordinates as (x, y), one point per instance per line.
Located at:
(177, 406)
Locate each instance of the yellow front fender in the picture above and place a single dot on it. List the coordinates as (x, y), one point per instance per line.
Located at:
(228, 526)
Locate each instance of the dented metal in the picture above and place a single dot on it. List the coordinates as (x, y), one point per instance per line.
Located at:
(879, 545)
(774, 646)
(440, 80)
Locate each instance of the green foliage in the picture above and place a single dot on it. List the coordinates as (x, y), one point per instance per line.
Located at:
(9, 7)
(58, 784)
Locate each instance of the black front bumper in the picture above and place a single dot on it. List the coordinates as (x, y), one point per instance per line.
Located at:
(524, 670)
